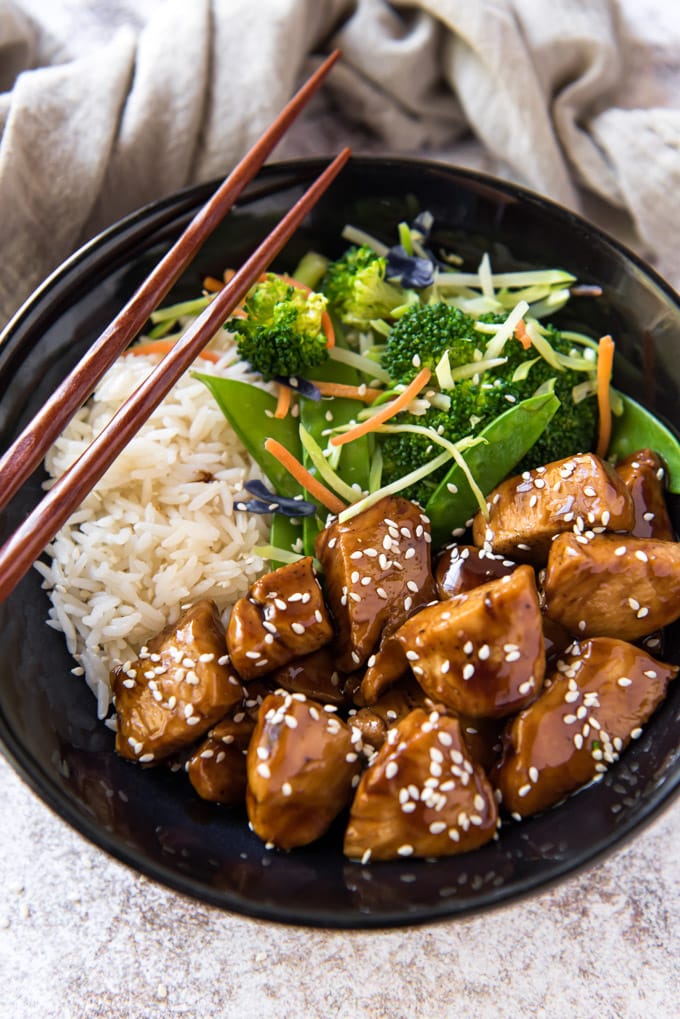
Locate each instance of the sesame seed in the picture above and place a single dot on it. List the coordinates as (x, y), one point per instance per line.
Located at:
(524, 790)
(391, 769)
(405, 850)
(263, 770)
(642, 556)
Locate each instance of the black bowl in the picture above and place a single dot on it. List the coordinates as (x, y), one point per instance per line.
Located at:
(151, 819)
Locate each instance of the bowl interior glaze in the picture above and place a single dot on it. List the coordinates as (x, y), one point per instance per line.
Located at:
(151, 819)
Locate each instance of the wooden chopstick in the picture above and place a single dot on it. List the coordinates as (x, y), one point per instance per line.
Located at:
(28, 541)
(25, 454)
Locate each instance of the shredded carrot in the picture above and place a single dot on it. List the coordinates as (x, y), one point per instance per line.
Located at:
(522, 334)
(212, 285)
(363, 393)
(605, 363)
(388, 410)
(283, 401)
(302, 475)
(163, 346)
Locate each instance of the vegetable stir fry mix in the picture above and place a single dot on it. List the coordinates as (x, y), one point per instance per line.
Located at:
(452, 483)
(395, 373)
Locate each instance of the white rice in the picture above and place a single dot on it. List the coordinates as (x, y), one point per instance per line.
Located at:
(159, 531)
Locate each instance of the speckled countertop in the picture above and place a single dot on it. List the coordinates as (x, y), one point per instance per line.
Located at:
(82, 936)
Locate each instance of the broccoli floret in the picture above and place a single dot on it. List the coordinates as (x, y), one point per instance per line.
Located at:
(357, 290)
(574, 426)
(282, 334)
(421, 337)
(476, 402)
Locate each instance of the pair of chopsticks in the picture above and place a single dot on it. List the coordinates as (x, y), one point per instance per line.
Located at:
(28, 541)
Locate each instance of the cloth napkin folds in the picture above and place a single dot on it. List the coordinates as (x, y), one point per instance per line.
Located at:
(106, 107)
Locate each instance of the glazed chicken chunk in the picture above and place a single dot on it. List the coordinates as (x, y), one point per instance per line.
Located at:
(282, 617)
(643, 475)
(377, 569)
(374, 722)
(303, 764)
(459, 568)
(177, 689)
(481, 654)
(579, 493)
(217, 768)
(421, 796)
(604, 691)
(314, 675)
(612, 585)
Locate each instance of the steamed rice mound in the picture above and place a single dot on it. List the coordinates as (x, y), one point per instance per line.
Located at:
(158, 531)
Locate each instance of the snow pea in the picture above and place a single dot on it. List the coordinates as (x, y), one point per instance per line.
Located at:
(637, 429)
(507, 439)
(250, 412)
(355, 457)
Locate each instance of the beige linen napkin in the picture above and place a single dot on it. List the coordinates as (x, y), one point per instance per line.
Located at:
(106, 107)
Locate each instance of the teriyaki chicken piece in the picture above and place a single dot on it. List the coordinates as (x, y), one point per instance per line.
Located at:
(377, 570)
(612, 585)
(643, 474)
(217, 767)
(422, 795)
(283, 617)
(525, 512)
(482, 653)
(178, 688)
(596, 702)
(303, 765)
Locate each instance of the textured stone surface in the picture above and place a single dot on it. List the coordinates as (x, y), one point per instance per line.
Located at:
(83, 937)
